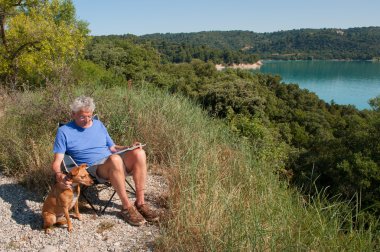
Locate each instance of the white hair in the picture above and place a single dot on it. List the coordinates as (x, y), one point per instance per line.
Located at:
(82, 103)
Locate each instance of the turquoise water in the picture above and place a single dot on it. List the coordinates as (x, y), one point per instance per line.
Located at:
(345, 82)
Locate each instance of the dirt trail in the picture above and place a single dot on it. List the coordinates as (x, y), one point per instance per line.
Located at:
(21, 224)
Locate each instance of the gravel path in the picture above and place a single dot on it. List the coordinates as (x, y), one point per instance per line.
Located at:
(21, 224)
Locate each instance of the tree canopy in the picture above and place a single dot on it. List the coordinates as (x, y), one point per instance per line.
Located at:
(37, 39)
(353, 43)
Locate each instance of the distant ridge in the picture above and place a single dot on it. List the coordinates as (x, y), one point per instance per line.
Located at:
(362, 43)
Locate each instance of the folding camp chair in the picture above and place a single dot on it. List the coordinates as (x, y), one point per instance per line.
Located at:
(68, 164)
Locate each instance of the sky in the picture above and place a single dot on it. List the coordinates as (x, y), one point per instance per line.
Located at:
(141, 17)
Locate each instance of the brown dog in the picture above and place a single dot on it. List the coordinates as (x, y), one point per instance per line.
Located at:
(60, 201)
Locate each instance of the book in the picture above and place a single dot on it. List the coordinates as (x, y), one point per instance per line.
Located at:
(129, 148)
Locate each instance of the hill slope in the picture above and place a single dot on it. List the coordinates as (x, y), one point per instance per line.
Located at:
(224, 194)
(354, 43)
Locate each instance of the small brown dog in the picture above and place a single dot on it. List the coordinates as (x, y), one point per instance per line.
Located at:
(60, 201)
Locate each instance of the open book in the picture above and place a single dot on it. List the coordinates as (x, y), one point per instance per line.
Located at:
(129, 148)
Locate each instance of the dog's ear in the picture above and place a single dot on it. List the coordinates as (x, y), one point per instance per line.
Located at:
(75, 171)
(83, 166)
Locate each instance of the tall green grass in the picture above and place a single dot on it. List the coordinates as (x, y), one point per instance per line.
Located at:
(224, 193)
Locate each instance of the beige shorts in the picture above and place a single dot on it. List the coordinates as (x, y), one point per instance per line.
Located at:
(93, 168)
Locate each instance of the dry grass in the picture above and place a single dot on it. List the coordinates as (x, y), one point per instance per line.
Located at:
(104, 226)
(224, 194)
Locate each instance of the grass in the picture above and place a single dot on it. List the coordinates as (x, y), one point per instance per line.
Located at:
(104, 226)
(224, 194)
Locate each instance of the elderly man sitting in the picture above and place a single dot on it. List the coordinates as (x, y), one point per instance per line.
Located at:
(87, 141)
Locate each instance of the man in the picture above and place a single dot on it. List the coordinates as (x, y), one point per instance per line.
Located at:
(87, 141)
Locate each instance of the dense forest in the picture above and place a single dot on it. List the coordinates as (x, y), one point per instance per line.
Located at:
(230, 47)
(353, 43)
(180, 51)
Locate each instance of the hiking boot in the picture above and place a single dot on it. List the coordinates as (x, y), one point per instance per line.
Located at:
(147, 213)
(132, 216)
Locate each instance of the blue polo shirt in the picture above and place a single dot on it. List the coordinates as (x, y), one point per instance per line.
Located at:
(84, 145)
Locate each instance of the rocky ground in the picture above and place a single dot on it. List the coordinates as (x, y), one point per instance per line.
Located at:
(21, 223)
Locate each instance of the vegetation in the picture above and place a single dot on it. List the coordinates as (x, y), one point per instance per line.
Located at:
(332, 146)
(231, 164)
(123, 57)
(234, 47)
(224, 191)
(179, 52)
(38, 38)
(354, 43)
(328, 145)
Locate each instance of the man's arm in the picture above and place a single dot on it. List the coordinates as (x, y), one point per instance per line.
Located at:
(56, 168)
(56, 165)
(116, 148)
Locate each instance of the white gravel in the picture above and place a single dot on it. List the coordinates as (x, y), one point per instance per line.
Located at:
(21, 224)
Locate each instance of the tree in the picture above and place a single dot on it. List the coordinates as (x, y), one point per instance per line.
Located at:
(134, 61)
(37, 38)
(375, 103)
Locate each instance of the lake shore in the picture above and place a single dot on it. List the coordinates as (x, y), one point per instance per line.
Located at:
(253, 66)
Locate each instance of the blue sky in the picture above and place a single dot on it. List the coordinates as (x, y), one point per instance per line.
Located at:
(161, 16)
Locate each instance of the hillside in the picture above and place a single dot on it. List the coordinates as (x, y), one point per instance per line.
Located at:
(328, 145)
(231, 47)
(224, 192)
(354, 43)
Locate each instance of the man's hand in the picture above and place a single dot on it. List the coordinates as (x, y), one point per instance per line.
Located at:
(63, 183)
(114, 148)
(137, 144)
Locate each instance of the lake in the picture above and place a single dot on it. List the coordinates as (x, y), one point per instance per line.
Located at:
(345, 82)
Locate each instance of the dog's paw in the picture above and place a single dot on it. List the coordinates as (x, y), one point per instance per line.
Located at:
(69, 226)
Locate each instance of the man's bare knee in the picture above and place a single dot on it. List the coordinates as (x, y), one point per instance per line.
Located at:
(115, 160)
(113, 165)
(137, 155)
(135, 159)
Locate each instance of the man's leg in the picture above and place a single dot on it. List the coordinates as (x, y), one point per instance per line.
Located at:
(135, 162)
(113, 170)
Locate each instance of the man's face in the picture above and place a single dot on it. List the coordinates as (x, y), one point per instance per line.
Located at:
(83, 118)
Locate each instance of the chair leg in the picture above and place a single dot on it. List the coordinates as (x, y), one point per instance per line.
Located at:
(133, 190)
(88, 201)
(100, 211)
